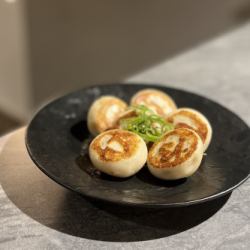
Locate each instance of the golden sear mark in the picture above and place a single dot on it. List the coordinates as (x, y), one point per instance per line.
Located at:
(146, 98)
(169, 156)
(127, 140)
(201, 128)
(105, 122)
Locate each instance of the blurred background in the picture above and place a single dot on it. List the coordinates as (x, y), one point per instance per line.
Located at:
(51, 47)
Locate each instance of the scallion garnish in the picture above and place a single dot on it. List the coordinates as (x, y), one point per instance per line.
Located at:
(146, 124)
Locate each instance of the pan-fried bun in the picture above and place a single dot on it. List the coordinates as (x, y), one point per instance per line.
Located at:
(156, 100)
(118, 153)
(176, 155)
(192, 119)
(103, 113)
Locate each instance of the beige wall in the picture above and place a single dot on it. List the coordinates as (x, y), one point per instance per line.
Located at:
(75, 43)
(14, 84)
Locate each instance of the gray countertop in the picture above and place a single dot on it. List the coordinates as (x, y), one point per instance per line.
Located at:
(220, 70)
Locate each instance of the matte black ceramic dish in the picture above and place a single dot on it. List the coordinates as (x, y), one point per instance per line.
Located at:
(57, 141)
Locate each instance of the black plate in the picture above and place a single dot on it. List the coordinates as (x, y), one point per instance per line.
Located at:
(57, 141)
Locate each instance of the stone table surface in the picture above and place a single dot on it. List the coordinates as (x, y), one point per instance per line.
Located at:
(36, 213)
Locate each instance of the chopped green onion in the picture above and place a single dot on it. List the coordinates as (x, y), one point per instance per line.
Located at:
(146, 123)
